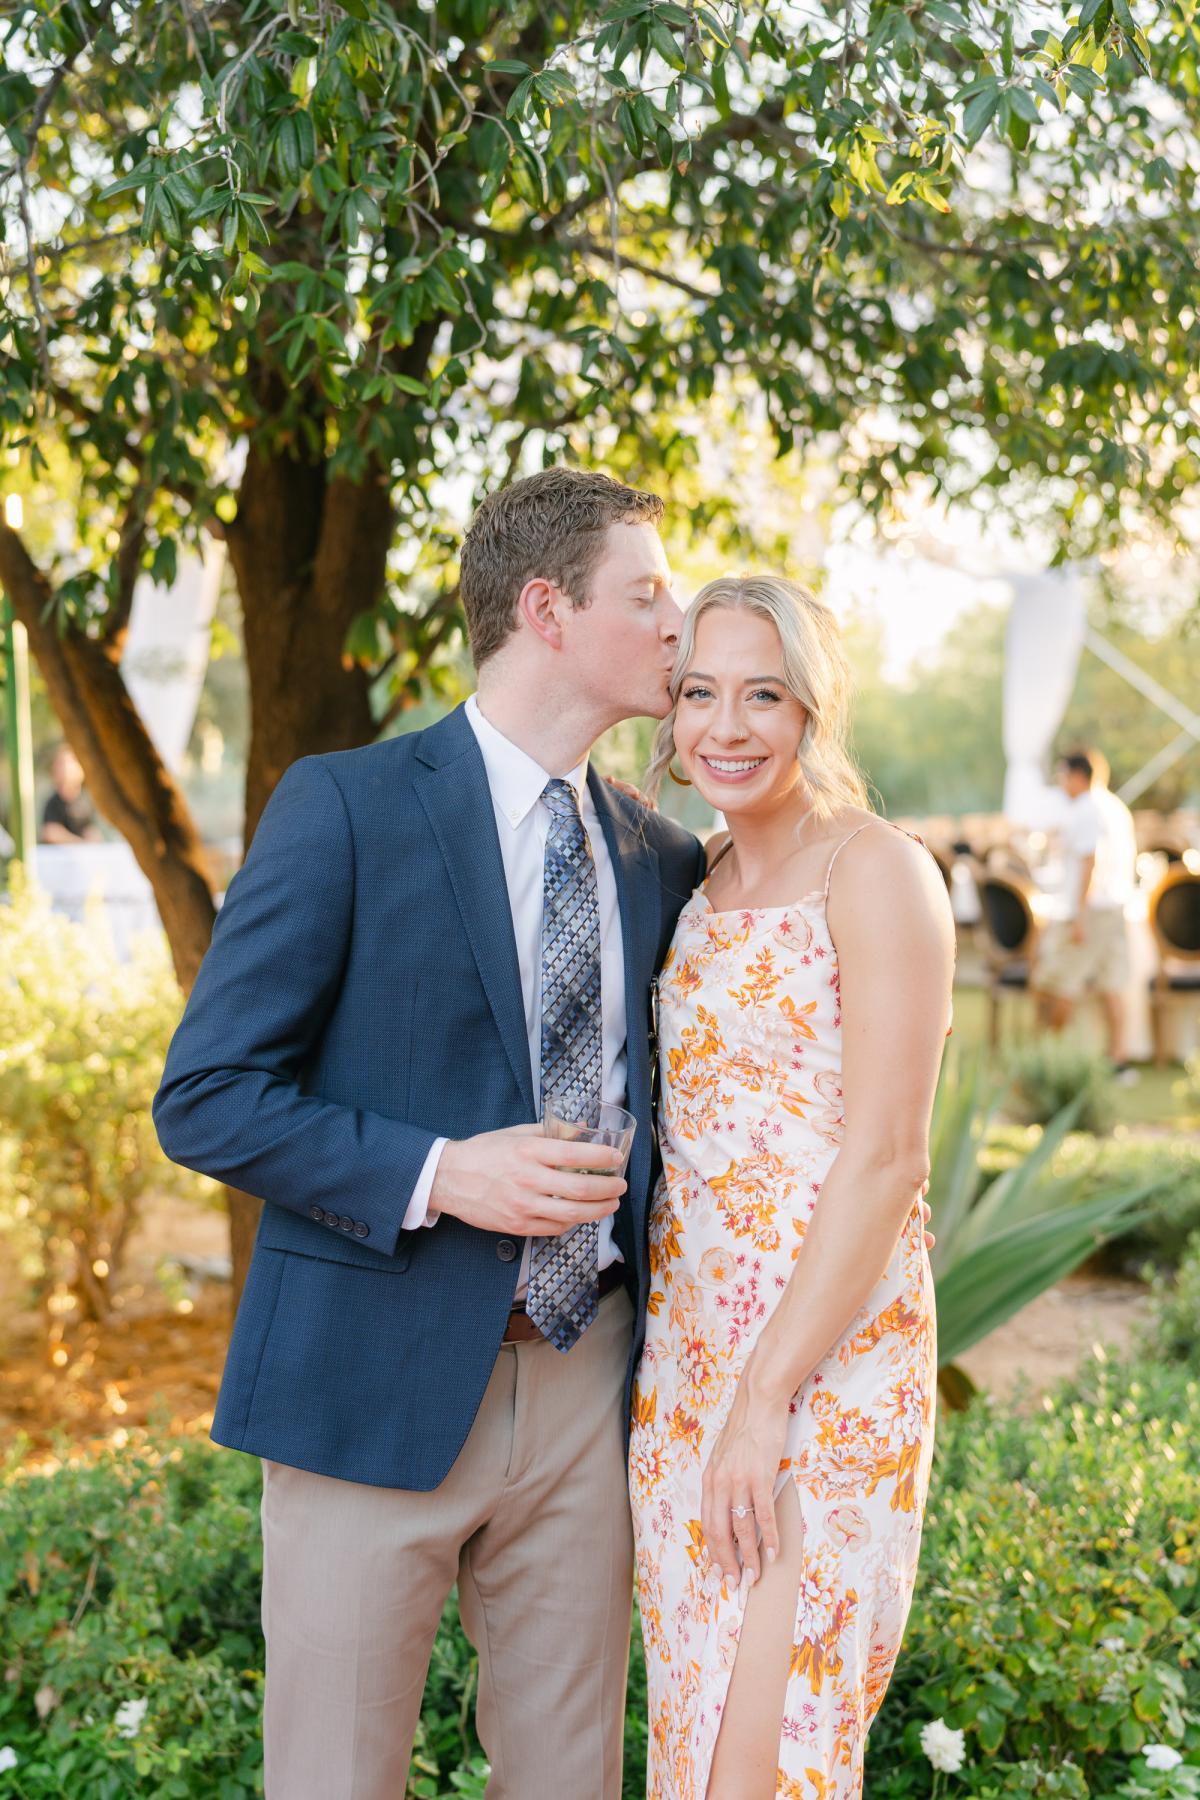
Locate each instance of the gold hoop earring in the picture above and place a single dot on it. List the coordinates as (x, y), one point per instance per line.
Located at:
(679, 780)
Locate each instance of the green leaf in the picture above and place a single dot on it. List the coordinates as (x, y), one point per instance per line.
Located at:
(519, 98)
(408, 384)
(979, 112)
(1024, 104)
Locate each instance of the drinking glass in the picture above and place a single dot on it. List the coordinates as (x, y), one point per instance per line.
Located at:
(599, 1124)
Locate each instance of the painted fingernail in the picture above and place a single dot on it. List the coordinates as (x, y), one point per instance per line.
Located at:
(770, 1555)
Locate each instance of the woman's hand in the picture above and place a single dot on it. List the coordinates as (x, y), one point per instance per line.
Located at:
(742, 1472)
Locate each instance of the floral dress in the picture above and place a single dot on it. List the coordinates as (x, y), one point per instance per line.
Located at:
(750, 1121)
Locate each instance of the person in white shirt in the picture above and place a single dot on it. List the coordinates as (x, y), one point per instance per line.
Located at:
(1086, 949)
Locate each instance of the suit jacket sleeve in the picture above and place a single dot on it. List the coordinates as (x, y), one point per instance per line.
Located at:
(232, 1103)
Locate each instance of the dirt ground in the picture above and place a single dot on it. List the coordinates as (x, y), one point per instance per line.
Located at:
(159, 1361)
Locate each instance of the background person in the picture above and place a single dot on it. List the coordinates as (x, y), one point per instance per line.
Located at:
(1087, 948)
(68, 816)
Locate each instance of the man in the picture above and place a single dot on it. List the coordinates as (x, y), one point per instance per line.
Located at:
(1087, 948)
(68, 816)
(409, 959)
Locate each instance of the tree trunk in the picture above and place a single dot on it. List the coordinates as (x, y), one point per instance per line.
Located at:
(126, 776)
(309, 553)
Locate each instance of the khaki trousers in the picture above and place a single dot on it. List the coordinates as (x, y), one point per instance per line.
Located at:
(532, 1522)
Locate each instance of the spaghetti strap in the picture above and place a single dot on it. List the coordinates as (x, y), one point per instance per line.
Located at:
(892, 826)
(837, 850)
(726, 847)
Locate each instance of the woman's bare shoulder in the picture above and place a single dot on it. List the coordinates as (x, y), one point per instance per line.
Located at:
(887, 873)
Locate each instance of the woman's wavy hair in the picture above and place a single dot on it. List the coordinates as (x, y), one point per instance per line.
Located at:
(815, 671)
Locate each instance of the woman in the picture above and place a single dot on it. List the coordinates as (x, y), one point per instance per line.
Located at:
(783, 1415)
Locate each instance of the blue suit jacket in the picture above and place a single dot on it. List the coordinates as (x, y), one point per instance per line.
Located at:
(362, 997)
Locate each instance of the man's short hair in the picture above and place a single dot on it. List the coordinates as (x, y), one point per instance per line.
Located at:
(551, 525)
(1079, 763)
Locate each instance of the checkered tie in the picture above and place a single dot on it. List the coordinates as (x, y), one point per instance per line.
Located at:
(564, 1292)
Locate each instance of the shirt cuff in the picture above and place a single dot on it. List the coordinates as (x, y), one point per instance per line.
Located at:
(418, 1212)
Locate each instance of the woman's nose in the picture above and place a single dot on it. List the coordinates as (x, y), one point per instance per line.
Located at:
(730, 727)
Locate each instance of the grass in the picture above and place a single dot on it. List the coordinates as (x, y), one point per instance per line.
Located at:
(1150, 1103)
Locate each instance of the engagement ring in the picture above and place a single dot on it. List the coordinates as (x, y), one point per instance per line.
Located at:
(739, 1512)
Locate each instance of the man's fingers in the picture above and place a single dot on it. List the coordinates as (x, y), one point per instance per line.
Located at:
(588, 1190)
(549, 1217)
(926, 1212)
(574, 1153)
(930, 1240)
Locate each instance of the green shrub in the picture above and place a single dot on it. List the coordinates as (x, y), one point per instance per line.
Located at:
(83, 1036)
(1172, 1217)
(1173, 1329)
(1047, 1074)
(1056, 1621)
(1006, 1234)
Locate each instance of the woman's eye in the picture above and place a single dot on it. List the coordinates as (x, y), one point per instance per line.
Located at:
(764, 694)
(697, 693)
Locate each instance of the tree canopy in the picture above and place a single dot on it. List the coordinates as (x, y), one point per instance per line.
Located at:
(306, 275)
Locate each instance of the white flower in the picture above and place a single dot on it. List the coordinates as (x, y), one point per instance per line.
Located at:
(945, 1747)
(8, 1758)
(129, 1717)
(1179, 1575)
(1115, 1645)
(1161, 1756)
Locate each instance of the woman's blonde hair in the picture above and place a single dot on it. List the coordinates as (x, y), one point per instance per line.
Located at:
(815, 671)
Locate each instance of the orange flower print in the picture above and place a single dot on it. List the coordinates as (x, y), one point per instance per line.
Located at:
(752, 1120)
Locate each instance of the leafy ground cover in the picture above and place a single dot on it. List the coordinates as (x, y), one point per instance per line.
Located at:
(1056, 1624)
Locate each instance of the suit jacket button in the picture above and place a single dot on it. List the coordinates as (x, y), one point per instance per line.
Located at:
(331, 1218)
(362, 1229)
(317, 1213)
(346, 1223)
(506, 1250)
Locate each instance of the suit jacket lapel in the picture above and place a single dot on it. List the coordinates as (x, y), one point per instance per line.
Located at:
(453, 789)
(639, 897)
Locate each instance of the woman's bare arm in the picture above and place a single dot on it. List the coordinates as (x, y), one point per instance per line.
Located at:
(890, 919)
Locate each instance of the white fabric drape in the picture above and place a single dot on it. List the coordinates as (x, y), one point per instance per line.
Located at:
(1043, 641)
(166, 651)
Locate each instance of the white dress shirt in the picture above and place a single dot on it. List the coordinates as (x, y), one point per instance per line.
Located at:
(522, 822)
(1099, 824)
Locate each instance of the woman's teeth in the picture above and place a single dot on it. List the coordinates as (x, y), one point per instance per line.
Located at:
(735, 768)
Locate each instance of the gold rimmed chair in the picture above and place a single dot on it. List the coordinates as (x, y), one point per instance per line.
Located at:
(1009, 930)
(1175, 921)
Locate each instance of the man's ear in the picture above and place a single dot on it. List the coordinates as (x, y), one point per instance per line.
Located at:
(540, 606)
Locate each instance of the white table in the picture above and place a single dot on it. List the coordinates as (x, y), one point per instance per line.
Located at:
(73, 873)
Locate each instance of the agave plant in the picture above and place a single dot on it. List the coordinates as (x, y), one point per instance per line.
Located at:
(1000, 1243)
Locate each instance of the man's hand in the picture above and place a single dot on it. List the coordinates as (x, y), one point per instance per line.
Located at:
(521, 1181)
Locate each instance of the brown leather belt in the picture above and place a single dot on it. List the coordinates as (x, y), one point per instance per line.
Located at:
(521, 1328)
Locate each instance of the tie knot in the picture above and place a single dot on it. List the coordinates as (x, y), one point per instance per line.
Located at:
(561, 799)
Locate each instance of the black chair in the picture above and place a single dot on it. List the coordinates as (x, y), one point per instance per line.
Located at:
(1175, 922)
(1009, 931)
